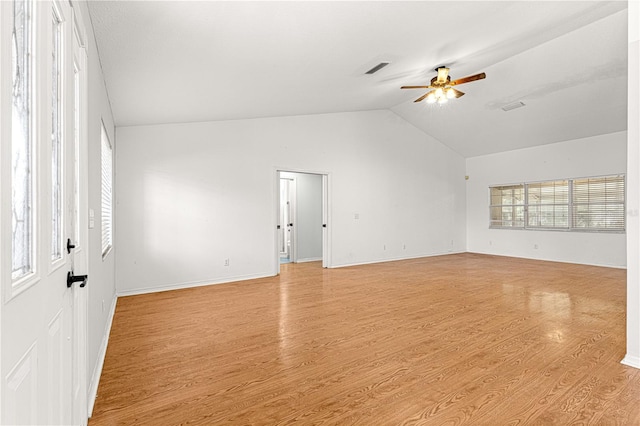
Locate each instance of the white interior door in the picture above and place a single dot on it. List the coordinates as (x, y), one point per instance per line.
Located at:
(325, 220)
(283, 219)
(286, 224)
(37, 217)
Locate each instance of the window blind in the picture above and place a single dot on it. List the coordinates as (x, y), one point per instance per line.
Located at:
(548, 204)
(599, 203)
(507, 206)
(107, 200)
(584, 204)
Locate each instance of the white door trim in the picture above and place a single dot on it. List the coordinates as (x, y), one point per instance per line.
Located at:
(326, 214)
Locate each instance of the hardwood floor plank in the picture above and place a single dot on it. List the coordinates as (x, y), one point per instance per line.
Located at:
(460, 339)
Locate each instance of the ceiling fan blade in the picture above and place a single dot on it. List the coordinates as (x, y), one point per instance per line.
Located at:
(457, 92)
(423, 96)
(415, 87)
(468, 79)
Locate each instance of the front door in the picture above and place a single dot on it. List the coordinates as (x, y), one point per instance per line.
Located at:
(38, 214)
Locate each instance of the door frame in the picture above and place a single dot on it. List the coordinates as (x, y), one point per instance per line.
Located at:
(81, 172)
(326, 214)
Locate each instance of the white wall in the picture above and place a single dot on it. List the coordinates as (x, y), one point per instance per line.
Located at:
(308, 220)
(101, 284)
(594, 156)
(632, 357)
(192, 195)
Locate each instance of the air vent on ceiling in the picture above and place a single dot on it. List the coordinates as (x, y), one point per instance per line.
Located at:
(514, 105)
(377, 68)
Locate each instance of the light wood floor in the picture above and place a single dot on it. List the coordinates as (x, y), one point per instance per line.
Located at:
(460, 339)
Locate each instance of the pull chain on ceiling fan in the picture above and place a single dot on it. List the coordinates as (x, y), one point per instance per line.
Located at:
(442, 86)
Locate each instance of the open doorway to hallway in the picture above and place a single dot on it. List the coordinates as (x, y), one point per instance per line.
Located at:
(302, 217)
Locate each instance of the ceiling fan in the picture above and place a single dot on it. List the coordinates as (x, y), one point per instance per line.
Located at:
(442, 86)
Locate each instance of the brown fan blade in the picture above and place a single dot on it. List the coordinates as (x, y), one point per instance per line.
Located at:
(424, 96)
(457, 92)
(415, 87)
(468, 79)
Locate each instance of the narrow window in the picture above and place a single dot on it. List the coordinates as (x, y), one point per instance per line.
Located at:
(21, 141)
(507, 206)
(599, 203)
(56, 140)
(107, 200)
(548, 204)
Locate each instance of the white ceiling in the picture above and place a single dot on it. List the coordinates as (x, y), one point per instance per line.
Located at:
(183, 61)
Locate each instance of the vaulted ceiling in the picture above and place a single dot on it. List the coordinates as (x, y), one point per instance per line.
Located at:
(183, 61)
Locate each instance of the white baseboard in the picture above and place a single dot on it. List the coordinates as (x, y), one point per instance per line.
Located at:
(190, 284)
(544, 259)
(309, 259)
(97, 371)
(395, 259)
(631, 361)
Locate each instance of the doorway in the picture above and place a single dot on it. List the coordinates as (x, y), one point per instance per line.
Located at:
(302, 217)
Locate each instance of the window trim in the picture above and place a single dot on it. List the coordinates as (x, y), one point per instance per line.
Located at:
(570, 206)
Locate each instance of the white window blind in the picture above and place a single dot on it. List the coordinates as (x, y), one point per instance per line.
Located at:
(599, 203)
(548, 204)
(107, 193)
(507, 206)
(584, 204)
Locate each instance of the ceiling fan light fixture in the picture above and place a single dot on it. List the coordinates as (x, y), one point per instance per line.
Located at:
(441, 86)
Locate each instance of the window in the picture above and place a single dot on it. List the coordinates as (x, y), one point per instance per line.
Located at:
(586, 204)
(76, 159)
(22, 249)
(548, 204)
(56, 140)
(107, 196)
(598, 203)
(507, 206)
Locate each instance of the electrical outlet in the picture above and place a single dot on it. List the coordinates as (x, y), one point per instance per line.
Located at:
(226, 262)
